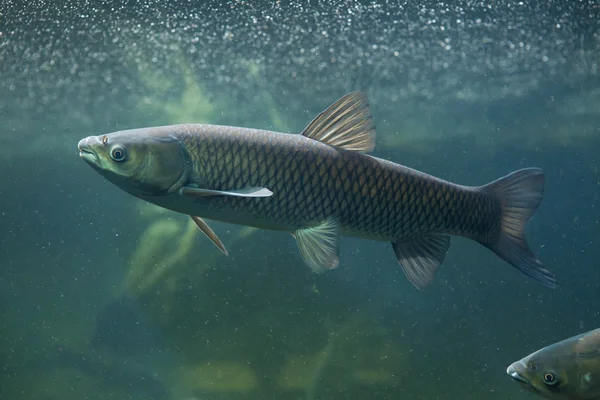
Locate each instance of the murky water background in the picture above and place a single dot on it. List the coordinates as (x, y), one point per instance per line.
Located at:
(103, 296)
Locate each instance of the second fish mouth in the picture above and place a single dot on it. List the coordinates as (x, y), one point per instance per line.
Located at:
(516, 376)
(87, 155)
(519, 378)
(85, 151)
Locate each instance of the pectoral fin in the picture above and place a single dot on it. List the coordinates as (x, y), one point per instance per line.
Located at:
(420, 257)
(320, 246)
(203, 226)
(244, 192)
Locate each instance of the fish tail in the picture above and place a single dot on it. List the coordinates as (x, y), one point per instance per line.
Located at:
(519, 194)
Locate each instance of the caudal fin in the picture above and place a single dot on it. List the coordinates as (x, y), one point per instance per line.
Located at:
(519, 194)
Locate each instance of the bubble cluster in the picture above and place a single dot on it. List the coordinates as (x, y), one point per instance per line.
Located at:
(86, 57)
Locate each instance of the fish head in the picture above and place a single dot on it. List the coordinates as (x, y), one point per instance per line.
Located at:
(143, 162)
(540, 375)
(569, 369)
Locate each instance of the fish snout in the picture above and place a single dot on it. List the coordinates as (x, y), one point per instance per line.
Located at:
(514, 374)
(85, 147)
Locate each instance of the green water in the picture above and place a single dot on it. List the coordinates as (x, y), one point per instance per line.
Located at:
(104, 296)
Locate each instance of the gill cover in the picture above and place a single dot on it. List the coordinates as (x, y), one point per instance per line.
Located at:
(165, 166)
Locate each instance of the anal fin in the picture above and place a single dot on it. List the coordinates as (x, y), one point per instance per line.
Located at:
(420, 257)
(320, 246)
(203, 226)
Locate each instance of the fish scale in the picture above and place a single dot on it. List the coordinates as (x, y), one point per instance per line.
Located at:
(369, 196)
(319, 185)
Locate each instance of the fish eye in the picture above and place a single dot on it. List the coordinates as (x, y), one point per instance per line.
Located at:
(550, 378)
(117, 153)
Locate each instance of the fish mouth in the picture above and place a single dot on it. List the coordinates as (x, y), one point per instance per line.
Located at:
(512, 372)
(86, 152)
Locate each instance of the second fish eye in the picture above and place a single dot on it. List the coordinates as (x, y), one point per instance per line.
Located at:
(117, 153)
(550, 378)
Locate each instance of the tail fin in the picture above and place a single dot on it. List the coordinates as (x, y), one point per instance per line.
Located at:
(519, 194)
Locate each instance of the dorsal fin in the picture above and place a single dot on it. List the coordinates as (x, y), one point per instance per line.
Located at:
(347, 123)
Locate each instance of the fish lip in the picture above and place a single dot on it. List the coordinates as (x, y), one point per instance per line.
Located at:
(85, 151)
(519, 378)
(516, 376)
